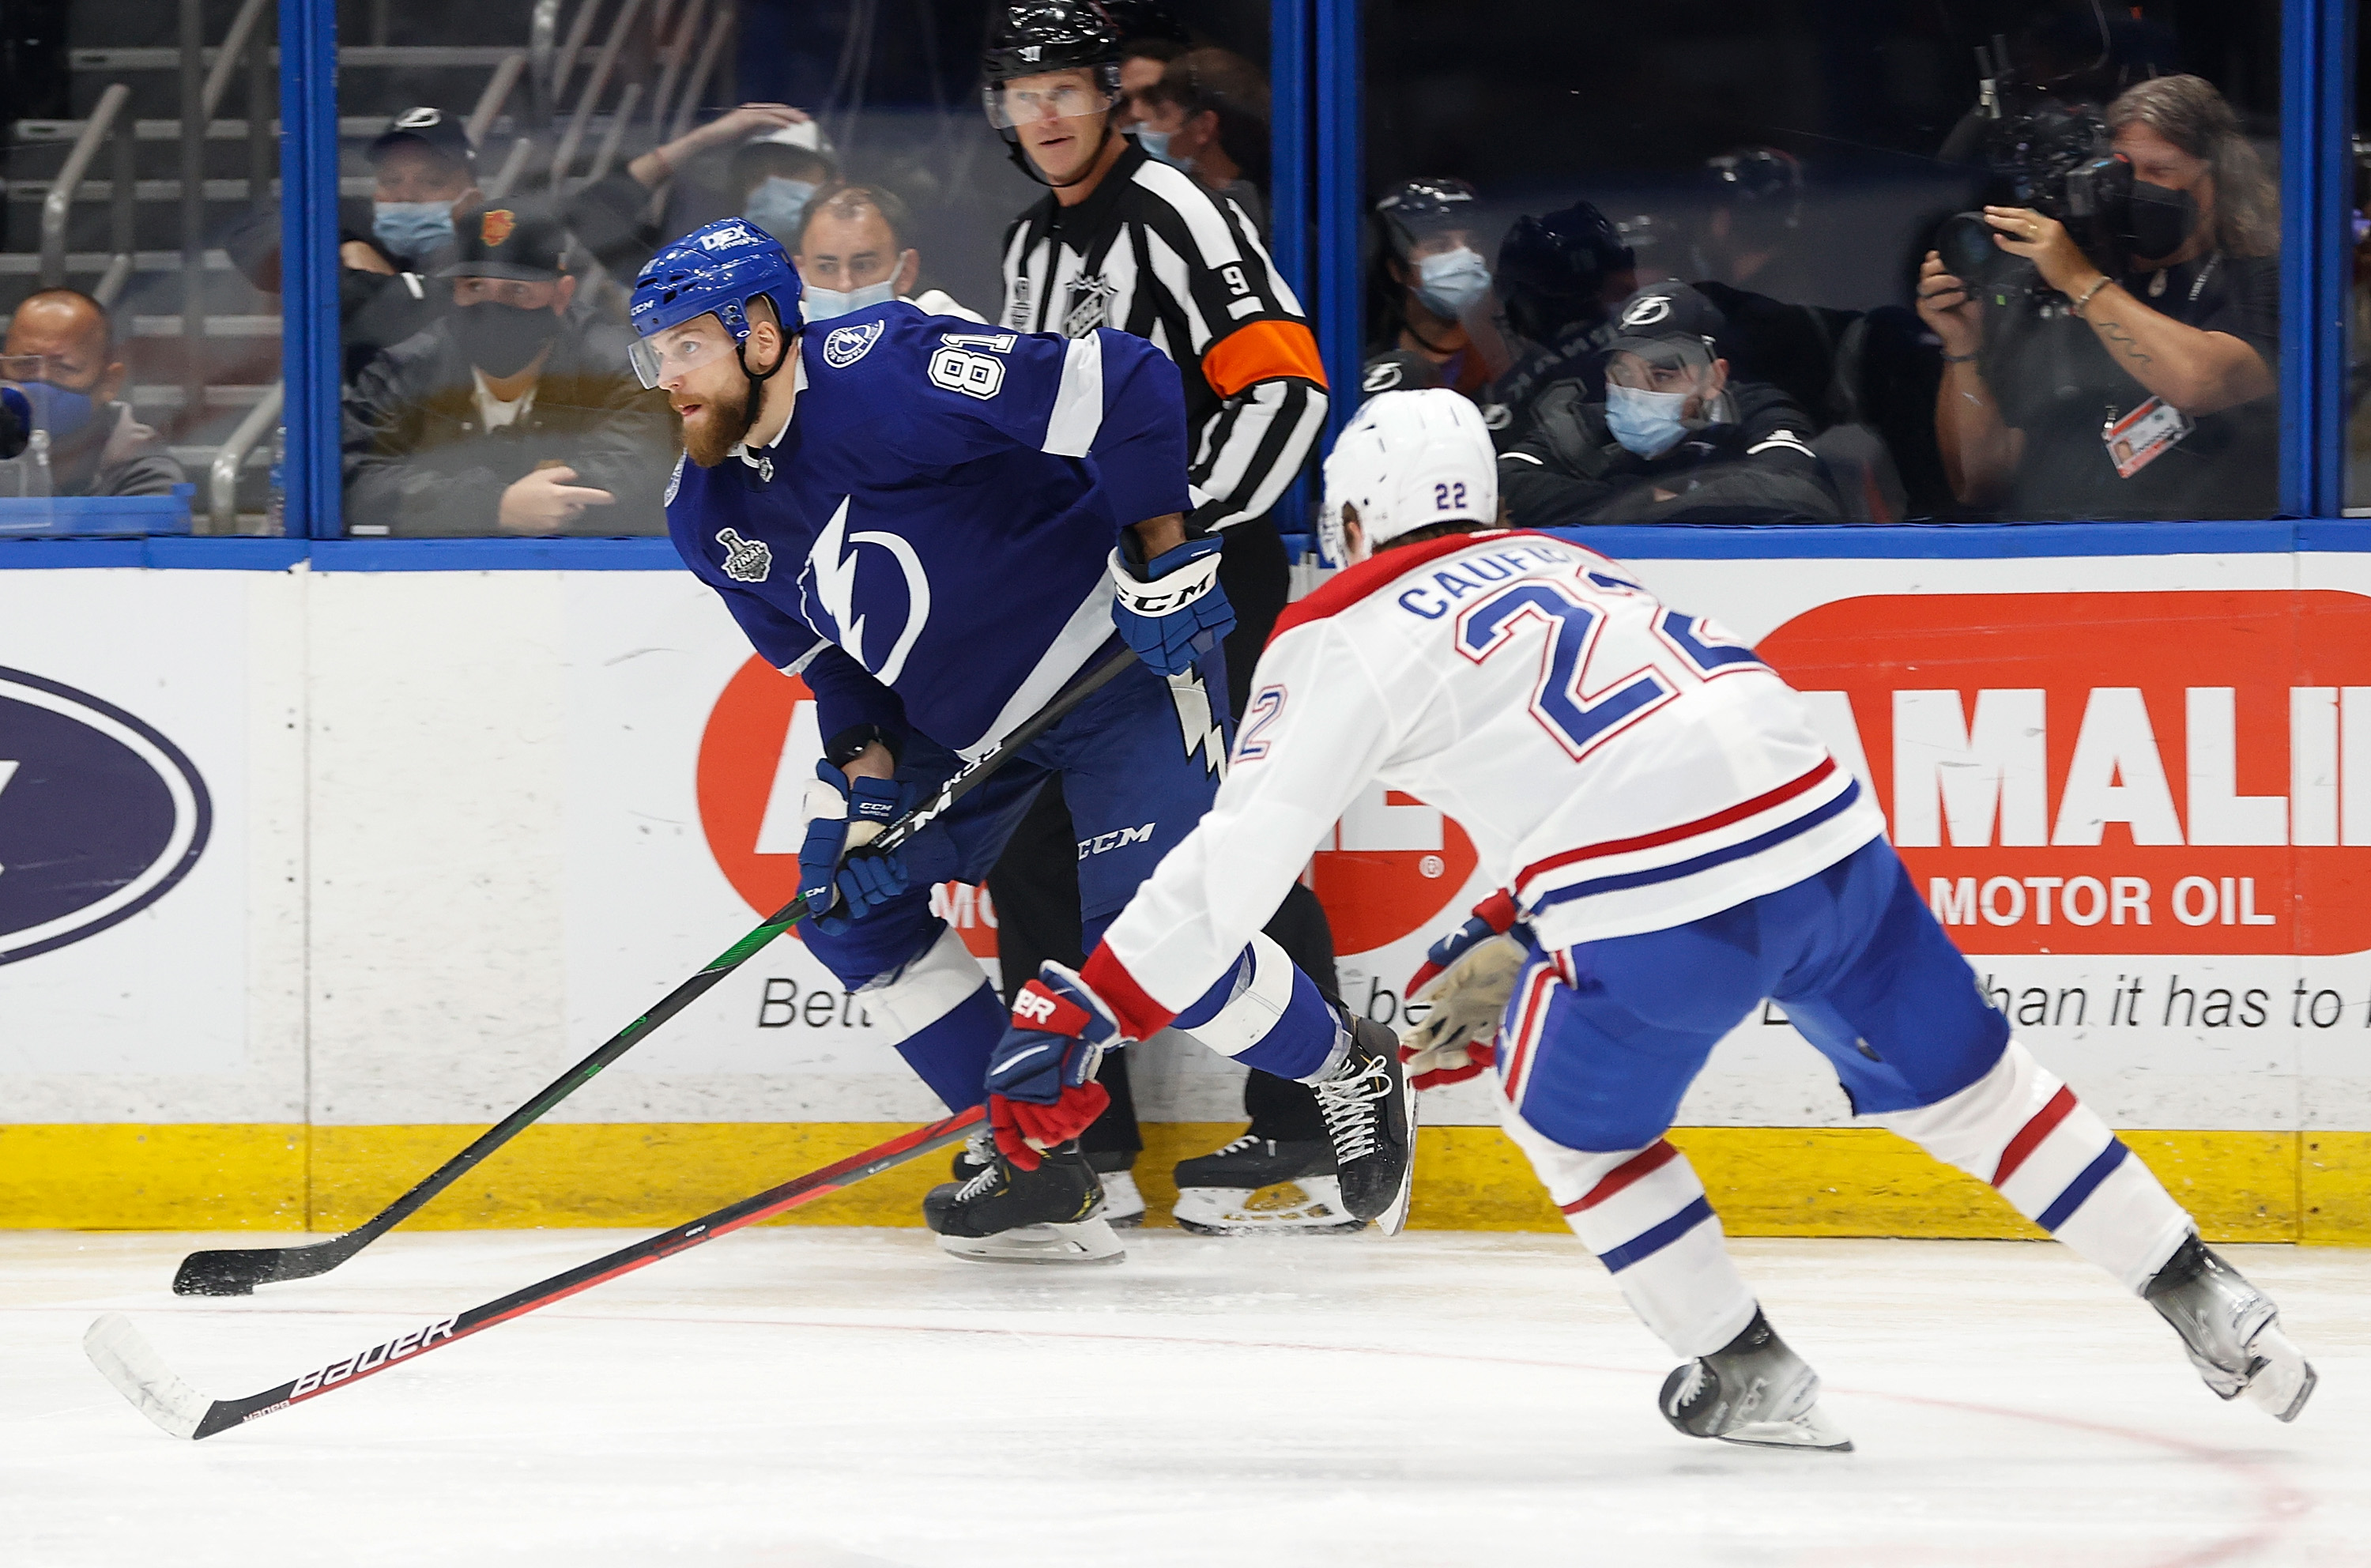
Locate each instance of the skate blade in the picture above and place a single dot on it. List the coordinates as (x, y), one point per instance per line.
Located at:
(1088, 1241)
(1811, 1430)
(1394, 1220)
(2283, 1381)
(1309, 1206)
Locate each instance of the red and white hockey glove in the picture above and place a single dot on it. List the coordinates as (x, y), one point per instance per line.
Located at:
(1041, 1078)
(1466, 978)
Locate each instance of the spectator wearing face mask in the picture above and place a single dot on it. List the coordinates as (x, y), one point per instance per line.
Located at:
(1675, 438)
(1208, 115)
(780, 159)
(60, 423)
(423, 169)
(1434, 325)
(514, 414)
(851, 251)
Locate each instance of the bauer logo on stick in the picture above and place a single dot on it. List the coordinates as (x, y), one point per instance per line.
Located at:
(746, 560)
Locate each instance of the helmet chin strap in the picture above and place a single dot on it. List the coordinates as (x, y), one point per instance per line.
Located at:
(1028, 165)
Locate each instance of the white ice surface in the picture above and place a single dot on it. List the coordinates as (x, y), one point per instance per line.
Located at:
(827, 1399)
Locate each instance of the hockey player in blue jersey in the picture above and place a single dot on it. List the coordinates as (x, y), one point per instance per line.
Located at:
(939, 527)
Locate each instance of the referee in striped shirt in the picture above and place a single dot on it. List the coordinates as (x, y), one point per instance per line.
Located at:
(1124, 241)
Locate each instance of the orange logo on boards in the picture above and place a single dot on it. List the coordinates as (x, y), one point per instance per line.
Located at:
(496, 226)
(757, 756)
(2111, 773)
(1392, 867)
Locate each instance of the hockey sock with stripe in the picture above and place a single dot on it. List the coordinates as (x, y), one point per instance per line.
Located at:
(1266, 1013)
(2020, 1129)
(1644, 1215)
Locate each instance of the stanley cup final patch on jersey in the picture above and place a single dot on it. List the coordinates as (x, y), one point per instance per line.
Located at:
(846, 345)
(746, 560)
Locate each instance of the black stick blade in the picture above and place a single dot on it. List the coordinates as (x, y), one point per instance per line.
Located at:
(238, 1272)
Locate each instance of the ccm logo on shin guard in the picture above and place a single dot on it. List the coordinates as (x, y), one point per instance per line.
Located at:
(374, 1358)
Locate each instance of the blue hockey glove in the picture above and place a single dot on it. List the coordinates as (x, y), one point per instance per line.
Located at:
(1041, 1078)
(1171, 608)
(842, 879)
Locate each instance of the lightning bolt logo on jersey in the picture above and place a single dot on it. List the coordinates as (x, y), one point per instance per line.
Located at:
(926, 538)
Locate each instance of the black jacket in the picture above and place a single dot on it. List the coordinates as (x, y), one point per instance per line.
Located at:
(1754, 464)
(417, 463)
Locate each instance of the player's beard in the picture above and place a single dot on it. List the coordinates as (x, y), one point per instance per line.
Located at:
(727, 421)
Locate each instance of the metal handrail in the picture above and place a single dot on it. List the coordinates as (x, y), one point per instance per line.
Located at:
(671, 71)
(500, 186)
(580, 27)
(226, 58)
(222, 478)
(618, 121)
(498, 91)
(597, 84)
(59, 202)
(542, 47)
(690, 103)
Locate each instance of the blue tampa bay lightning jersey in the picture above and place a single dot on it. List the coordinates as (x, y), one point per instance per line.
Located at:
(926, 540)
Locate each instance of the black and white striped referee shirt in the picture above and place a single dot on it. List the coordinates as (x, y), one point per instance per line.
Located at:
(1153, 253)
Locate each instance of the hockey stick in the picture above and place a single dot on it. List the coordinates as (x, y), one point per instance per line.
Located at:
(238, 1272)
(140, 1374)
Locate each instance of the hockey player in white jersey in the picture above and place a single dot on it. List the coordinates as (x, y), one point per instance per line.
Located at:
(1677, 846)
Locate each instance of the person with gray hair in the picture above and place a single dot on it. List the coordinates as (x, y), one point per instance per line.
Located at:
(2166, 406)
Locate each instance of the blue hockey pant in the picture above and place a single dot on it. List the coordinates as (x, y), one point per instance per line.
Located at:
(1600, 1040)
(1140, 761)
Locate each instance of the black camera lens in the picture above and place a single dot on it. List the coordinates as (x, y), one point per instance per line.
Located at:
(1965, 244)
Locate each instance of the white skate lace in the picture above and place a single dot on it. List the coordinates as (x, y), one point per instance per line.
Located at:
(980, 1148)
(1344, 1102)
(1237, 1146)
(979, 1184)
(1690, 1386)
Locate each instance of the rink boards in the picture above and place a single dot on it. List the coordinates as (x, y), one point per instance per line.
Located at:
(305, 875)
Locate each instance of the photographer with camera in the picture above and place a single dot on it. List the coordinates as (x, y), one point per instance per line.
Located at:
(2159, 404)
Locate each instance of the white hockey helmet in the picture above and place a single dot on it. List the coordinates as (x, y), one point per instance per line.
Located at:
(1407, 460)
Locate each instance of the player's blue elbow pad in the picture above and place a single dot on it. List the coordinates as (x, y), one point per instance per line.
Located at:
(1170, 609)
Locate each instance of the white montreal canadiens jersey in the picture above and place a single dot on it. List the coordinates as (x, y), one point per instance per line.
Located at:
(1620, 765)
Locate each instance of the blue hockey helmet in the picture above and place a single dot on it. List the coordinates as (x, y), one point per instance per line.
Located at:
(713, 271)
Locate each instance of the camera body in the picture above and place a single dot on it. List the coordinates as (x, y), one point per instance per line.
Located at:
(2056, 159)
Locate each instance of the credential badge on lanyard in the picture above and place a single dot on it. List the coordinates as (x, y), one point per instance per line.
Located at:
(2155, 428)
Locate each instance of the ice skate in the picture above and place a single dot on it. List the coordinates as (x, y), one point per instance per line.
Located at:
(2232, 1331)
(1123, 1204)
(1263, 1186)
(1005, 1215)
(1369, 1111)
(1752, 1390)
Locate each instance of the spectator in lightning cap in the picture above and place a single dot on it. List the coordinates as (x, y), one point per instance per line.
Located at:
(1674, 438)
(1432, 296)
(515, 413)
(423, 169)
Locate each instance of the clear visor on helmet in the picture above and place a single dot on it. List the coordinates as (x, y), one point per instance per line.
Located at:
(1057, 95)
(677, 351)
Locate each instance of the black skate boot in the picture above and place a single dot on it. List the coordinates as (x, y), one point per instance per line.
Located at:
(1752, 1391)
(1005, 1215)
(1260, 1186)
(2231, 1330)
(1369, 1111)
